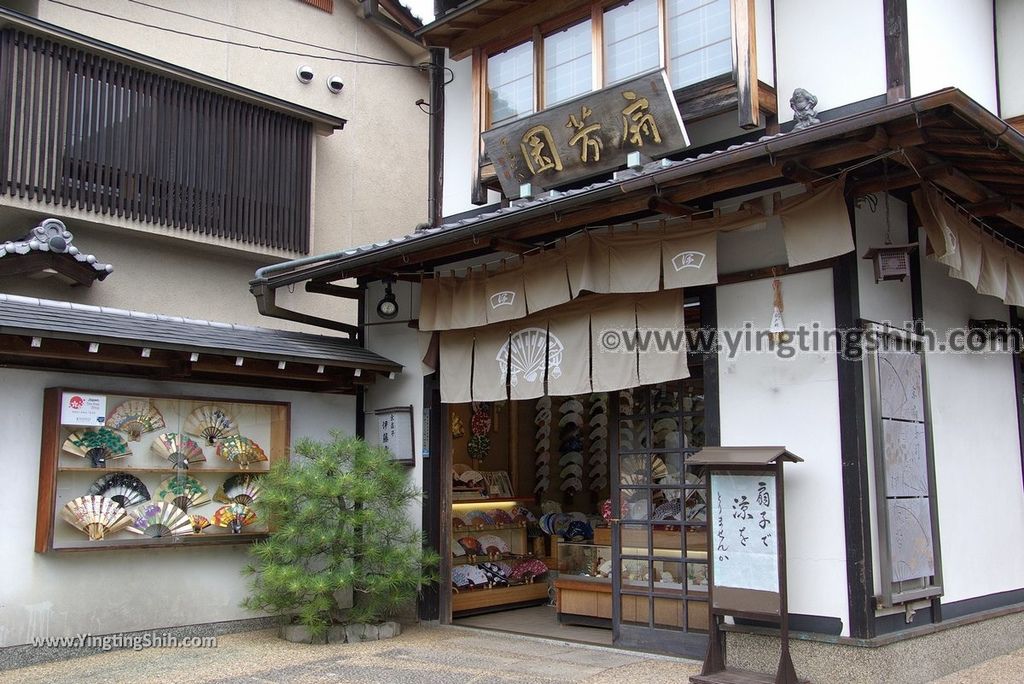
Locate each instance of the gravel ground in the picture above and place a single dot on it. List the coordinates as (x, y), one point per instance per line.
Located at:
(421, 654)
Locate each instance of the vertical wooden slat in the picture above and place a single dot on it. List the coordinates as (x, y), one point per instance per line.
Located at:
(278, 167)
(60, 153)
(51, 121)
(292, 179)
(106, 138)
(21, 113)
(6, 100)
(300, 233)
(116, 132)
(262, 178)
(72, 149)
(148, 141)
(164, 136)
(91, 113)
(36, 83)
(194, 150)
(43, 152)
(202, 157)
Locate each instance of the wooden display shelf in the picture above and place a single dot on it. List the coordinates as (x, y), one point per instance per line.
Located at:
(482, 599)
(488, 528)
(179, 542)
(498, 499)
(168, 471)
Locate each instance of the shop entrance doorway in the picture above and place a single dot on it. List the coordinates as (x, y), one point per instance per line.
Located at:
(578, 518)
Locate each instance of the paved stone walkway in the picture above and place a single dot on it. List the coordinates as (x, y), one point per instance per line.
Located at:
(422, 654)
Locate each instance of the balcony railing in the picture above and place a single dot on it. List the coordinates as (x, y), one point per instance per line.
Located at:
(84, 131)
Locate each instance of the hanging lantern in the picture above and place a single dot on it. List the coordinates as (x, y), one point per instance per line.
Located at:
(892, 262)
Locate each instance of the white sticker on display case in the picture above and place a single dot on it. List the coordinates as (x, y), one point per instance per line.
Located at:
(83, 409)
(744, 531)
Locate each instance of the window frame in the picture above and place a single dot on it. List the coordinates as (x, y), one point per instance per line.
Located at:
(738, 90)
(595, 12)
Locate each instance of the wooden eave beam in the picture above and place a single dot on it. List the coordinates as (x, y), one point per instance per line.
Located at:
(990, 207)
(960, 184)
(512, 24)
(38, 262)
(799, 173)
(512, 246)
(663, 206)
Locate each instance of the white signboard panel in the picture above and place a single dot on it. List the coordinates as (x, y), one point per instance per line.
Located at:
(77, 408)
(744, 531)
(394, 432)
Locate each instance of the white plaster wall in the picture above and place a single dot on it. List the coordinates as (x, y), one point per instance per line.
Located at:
(104, 592)
(765, 41)
(977, 451)
(404, 345)
(951, 44)
(363, 191)
(460, 149)
(768, 400)
(1009, 28)
(833, 48)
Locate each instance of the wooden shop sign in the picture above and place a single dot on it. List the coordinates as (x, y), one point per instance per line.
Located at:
(589, 135)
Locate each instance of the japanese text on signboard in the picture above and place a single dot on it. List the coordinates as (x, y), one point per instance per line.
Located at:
(588, 135)
(743, 531)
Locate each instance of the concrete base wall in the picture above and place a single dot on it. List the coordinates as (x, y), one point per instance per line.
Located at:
(909, 661)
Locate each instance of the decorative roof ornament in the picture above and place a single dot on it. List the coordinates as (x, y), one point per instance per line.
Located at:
(803, 104)
(53, 238)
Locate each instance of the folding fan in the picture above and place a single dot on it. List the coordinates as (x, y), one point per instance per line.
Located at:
(199, 523)
(183, 491)
(134, 417)
(211, 422)
(160, 520)
(123, 488)
(240, 450)
(234, 516)
(99, 446)
(178, 449)
(243, 489)
(95, 515)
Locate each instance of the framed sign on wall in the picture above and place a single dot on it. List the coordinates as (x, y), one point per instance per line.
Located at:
(395, 433)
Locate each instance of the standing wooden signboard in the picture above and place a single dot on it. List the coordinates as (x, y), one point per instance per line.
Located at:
(747, 552)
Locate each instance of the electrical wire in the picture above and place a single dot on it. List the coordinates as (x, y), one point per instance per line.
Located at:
(264, 34)
(369, 61)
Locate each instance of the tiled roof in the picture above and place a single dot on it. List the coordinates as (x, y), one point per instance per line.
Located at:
(66, 320)
(53, 236)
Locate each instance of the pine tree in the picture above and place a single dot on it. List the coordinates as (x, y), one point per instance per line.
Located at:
(339, 519)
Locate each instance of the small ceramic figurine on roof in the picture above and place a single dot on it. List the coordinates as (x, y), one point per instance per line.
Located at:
(803, 104)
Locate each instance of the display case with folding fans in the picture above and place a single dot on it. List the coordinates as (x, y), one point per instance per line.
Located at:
(492, 566)
(121, 471)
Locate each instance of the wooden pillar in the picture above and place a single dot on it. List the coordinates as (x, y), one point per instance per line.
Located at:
(854, 453)
(897, 50)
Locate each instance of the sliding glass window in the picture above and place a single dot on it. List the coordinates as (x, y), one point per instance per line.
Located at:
(631, 40)
(568, 63)
(510, 83)
(699, 40)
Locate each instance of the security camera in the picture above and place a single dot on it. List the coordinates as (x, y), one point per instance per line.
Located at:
(334, 84)
(304, 73)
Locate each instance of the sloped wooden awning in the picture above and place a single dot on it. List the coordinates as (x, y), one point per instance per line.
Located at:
(46, 334)
(742, 456)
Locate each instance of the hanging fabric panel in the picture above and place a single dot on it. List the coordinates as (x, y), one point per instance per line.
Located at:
(634, 263)
(1014, 279)
(569, 356)
(689, 260)
(935, 219)
(817, 227)
(469, 301)
(456, 357)
(528, 360)
(490, 364)
(969, 246)
(506, 296)
(546, 280)
(661, 340)
(587, 264)
(613, 345)
(992, 278)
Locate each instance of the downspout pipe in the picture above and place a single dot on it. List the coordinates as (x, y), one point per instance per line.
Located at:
(266, 303)
(435, 185)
